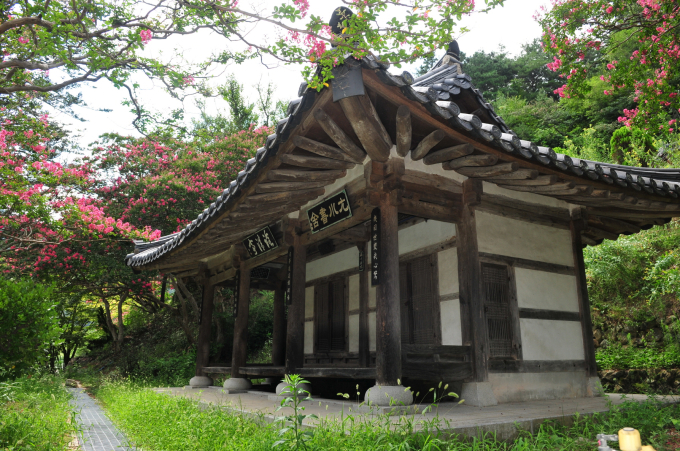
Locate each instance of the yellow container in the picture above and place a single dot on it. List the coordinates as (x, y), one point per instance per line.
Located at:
(629, 440)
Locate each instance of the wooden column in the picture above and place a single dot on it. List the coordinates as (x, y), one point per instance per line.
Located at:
(203, 345)
(240, 351)
(469, 278)
(364, 354)
(575, 226)
(279, 333)
(388, 316)
(295, 339)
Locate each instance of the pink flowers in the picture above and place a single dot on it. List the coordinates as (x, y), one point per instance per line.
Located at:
(23, 40)
(555, 64)
(303, 6)
(189, 80)
(610, 9)
(146, 36)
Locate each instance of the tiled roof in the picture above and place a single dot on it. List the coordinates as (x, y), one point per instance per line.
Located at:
(448, 95)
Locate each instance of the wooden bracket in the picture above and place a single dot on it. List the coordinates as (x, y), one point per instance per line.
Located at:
(472, 192)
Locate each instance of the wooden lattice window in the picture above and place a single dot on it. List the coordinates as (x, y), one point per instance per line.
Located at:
(498, 311)
(419, 301)
(329, 298)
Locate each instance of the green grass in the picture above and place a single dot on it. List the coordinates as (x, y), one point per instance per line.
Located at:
(35, 415)
(160, 422)
(618, 357)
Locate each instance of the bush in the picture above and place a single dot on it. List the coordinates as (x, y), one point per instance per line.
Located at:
(35, 415)
(29, 323)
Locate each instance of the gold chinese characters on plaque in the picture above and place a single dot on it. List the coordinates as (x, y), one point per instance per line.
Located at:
(329, 212)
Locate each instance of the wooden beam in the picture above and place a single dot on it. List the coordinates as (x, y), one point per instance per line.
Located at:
(279, 187)
(279, 331)
(295, 340)
(469, 277)
(339, 372)
(471, 160)
(340, 138)
(285, 196)
(292, 175)
(240, 350)
(557, 187)
(426, 144)
(582, 292)
(520, 174)
(450, 153)
(542, 180)
(222, 276)
(439, 371)
(370, 109)
(613, 224)
(324, 150)
(266, 258)
(601, 233)
(388, 301)
(488, 171)
(365, 127)
(304, 161)
(357, 234)
(404, 130)
(428, 210)
(203, 342)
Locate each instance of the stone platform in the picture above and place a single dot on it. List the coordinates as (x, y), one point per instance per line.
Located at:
(506, 420)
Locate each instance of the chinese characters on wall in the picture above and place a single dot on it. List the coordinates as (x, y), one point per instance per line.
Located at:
(329, 212)
(289, 280)
(375, 247)
(260, 242)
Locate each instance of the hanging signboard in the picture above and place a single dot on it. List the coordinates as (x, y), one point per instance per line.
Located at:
(375, 247)
(289, 280)
(237, 292)
(260, 242)
(329, 212)
(362, 260)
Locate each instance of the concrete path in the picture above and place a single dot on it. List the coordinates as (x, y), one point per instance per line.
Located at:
(504, 419)
(98, 433)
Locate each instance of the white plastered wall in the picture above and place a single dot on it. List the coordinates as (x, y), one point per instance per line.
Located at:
(309, 320)
(546, 290)
(511, 237)
(551, 340)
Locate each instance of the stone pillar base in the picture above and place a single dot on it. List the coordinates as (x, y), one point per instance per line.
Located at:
(478, 394)
(200, 382)
(237, 385)
(388, 395)
(594, 387)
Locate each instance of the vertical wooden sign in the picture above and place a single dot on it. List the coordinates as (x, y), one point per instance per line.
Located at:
(237, 292)
(289, 280)
(362, 259)
(376, 266)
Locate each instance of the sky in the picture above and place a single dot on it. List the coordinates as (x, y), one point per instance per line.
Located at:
(510, 26)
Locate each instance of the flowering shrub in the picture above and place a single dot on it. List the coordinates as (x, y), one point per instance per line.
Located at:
(631, 45)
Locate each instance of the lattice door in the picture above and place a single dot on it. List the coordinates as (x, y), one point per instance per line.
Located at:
(497, 308)
(423, 299)
(417, 293)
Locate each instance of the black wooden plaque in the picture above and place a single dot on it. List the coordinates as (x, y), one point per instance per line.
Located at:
(289, 280)
(362, 260)
(260, 242)
(329, 212)
(375, 247)
(237, 292)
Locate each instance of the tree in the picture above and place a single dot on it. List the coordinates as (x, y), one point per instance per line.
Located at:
(629, 45)
(30, 325)
(49, 46)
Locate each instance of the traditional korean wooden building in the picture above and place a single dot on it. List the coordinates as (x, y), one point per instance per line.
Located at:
(410, 235)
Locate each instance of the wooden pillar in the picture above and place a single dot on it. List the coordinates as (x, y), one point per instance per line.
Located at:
(575, 226)
(279, 333)
(295, 338)
(469, 278)
(388, 316)
(364, 353)
(203, 345)
(240, 350)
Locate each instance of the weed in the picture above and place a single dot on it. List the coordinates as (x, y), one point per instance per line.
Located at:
(291, 433)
